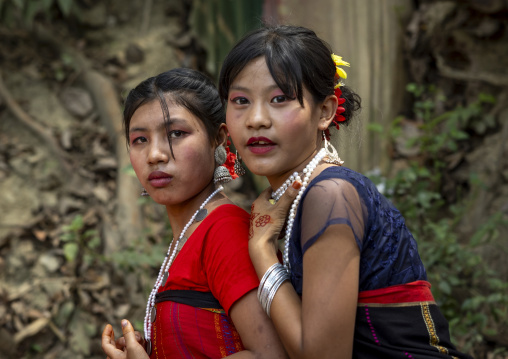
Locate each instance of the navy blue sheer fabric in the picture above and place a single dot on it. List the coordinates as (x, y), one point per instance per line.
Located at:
(338, 195)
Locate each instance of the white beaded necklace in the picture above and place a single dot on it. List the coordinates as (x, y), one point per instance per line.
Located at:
(307, 172)
(150, 313)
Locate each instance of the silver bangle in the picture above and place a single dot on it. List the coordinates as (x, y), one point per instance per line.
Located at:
(263, 280)
(280, 279)
(270, 284)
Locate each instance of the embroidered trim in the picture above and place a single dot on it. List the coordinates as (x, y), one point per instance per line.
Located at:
(392, 305)
(373, 331)
(218, 331)
(434, 339)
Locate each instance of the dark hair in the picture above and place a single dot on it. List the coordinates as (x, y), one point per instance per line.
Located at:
(295, 57)
(187, 88)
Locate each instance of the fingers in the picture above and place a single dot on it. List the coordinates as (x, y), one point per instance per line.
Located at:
(108, 341)
(108, 335)
(120, 343)
(140, 339)
(266, 194)
(133, 347)
(128, 333)
(289, 196)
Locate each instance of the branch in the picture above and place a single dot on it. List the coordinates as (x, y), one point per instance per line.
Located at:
(491, 78)
(36, 128)
(128, 216)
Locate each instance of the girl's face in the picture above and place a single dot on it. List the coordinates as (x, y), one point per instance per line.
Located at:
(274, 135)
(169, 180)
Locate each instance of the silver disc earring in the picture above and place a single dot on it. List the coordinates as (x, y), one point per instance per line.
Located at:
(221, 173)
(239, 170)
(331, 153)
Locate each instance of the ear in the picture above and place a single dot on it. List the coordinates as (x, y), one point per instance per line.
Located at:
(328, 109)
(222, 135)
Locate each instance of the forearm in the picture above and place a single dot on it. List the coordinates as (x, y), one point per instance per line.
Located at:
(312, 331)
(259, 353)
(286, 307)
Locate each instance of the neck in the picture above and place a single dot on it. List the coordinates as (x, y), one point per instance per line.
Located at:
(179, 214)
(278, 180)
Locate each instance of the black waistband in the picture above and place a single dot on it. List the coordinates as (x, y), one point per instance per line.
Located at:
(189, 297)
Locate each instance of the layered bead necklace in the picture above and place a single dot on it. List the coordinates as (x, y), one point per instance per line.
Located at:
(307, 172)
(151, 311)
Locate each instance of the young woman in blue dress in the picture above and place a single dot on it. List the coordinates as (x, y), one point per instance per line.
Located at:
(351, 282)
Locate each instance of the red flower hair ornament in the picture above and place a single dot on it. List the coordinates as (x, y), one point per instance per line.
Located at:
(339, 74)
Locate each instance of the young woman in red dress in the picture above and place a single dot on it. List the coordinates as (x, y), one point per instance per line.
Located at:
(203, 303)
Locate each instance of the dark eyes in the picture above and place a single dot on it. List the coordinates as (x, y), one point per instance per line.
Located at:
(279, 99)
(138, 140)
(172, 134)
(244, 101)
(240, 100)
(176, 134)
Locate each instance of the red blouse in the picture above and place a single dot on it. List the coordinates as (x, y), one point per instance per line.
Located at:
(216, 259)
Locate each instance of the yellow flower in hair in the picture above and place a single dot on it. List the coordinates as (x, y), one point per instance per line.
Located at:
(339, 62)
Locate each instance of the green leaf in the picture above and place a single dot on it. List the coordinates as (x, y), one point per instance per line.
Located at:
(36, 348)
(32, 8)
(46, 5)
(486, 98)
(65, 6)
(20, 4)
(71, 251)
(77, 223)
(67, 237)
(375, 127)
(90, 233)
(94, 243)
(445, 287)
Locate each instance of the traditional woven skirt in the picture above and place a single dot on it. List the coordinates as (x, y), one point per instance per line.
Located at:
(188, 331)
(402, 321)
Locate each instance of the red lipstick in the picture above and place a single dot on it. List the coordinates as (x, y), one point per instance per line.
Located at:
(159, 178)
(260, 145)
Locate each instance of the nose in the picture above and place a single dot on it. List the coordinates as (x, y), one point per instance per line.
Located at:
(258, 116)
(158, 152)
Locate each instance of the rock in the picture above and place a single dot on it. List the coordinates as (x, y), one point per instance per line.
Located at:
(77, 101)
(66, 139)
(68, 205)
(102, 193)
(122, 310)
(50, 262)
(64, 312)
(106, 164)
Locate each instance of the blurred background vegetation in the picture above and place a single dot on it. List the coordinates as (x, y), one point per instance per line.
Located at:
(79, 248)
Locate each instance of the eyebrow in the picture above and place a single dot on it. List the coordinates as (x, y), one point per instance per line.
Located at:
(242, 88)
(161, 126)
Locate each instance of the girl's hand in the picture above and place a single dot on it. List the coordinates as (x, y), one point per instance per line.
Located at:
(267, 218)
(132, 350)
(120, 342)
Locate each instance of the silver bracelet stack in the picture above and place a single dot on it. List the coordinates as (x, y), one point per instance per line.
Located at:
(269, 285)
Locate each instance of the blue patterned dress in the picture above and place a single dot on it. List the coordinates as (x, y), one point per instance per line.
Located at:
(397, 316)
